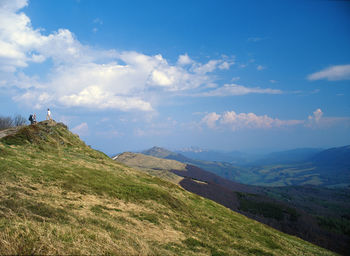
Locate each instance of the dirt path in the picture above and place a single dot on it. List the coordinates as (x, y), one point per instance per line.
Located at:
(9, 131)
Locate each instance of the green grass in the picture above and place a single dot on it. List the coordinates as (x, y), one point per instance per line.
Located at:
(59, 196)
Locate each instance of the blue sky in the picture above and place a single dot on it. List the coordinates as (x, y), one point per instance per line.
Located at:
(253, 76)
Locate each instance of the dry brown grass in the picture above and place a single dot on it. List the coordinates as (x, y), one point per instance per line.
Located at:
(135, 236)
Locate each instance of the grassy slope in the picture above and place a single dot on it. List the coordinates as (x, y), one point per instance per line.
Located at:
(58, 196)
(152, 165)
(321, 227)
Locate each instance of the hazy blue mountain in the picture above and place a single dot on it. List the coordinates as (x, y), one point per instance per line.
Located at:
(223, 169)
(292, 156)
(236, 157)
(339, 156)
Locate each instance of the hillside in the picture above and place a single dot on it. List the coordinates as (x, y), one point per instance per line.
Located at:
(339, 156)
(59, 196)
(294, 156)
(223, 169)
(258, 203)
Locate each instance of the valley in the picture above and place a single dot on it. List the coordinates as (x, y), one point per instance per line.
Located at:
(299, 210)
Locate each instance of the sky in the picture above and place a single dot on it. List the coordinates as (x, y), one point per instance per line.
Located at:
(253, 76)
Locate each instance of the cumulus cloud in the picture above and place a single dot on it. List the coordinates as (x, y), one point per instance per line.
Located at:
(184, 60)
(210, 119)
(318, 120)
(82, 76)
(225, 65)
(333, 73)
(235, 89)
(238, 121)
(206, 68)
(316, 117)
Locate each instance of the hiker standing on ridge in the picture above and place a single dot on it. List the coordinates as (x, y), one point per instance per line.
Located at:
(34, 118)
(48, 116)
(31, 119)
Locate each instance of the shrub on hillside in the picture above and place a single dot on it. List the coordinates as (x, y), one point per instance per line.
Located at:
(5, 122)
(8, 122)
(19, 120)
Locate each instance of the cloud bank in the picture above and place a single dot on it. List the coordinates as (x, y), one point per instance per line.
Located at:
(238, 121)
(242, 121)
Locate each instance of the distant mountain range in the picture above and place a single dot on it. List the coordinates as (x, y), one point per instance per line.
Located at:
(329, 167)
(240, 158)
(292, 156)
(236, 157)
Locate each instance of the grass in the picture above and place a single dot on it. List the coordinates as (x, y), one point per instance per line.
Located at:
(59, 196)
(154, 166)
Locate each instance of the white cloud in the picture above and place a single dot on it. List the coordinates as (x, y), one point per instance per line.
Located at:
(225, 65)
(81, 129)
(318, 120)
(13, 5)
(235, 121)
(333, 73)
(184, 60)
(235, 89)
(94, 97)
(210, 119)
(316, 117)
(85, 77)
(206, 68)
(240, 121)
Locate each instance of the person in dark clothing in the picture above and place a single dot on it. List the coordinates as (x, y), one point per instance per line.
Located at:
(31, 119)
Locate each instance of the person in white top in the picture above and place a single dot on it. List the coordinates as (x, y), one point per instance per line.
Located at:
(34, 118)
(48, 116)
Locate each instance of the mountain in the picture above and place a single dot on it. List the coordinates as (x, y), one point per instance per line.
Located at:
(328, 168)
(235, 157)
(288, 157)
(339, 156)
(255, 202)
(166, 154)
(223, 169)
(59, 196)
